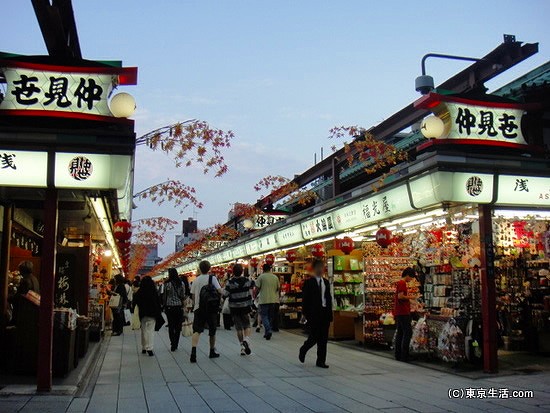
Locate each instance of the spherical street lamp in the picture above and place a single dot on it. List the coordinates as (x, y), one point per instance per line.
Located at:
(123, 105)
(432, 127)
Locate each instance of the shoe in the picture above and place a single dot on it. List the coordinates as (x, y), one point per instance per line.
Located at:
(243, 351)
(213, 354)
(173, 348)
(268, 336)
(193, 358)
(302, 356)
(150, 352)
(116, 334)
(247, 349)
(143, 351)
(258, 330)
(322, 365)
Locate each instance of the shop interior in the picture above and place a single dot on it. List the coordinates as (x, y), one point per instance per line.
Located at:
(86, 260)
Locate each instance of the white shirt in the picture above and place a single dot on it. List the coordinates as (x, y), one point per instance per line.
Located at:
(321, 282)
(197, 285)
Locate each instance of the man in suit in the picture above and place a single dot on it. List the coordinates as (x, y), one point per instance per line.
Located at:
(317, 309)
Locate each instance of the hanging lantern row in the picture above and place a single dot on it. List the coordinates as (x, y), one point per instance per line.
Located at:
(346, 245)
(269, 259)
(318, 251)
(254, 262)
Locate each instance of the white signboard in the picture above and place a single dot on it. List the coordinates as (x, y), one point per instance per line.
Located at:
(372, 209)
(252, 247)
(290, 235)
(523, 190)
(23, 168)
(437, 187)
(57, 91)
(267, 242)
(319, 226)
(227, 255)
(91, 171)
(483, 122)
(239, 251)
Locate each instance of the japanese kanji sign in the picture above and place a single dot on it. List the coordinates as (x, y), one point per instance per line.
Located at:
(523, 190)
(23, 168)
(64, 281)
(29, 89)
(479, 120)
(322, 225)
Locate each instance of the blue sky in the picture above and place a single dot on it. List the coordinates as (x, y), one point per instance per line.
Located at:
(279, 74)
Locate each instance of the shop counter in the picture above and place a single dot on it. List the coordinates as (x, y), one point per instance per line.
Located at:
(343, 325)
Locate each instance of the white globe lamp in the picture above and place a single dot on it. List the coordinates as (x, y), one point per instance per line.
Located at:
(432, 127)
(248, 223)
(123, 105)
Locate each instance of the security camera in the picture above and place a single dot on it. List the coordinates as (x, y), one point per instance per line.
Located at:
(424, 84)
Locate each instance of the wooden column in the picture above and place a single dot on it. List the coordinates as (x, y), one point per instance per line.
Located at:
(5, 263)
(47, 283)
(488, 291)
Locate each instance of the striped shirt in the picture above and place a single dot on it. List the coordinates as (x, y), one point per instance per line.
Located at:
(238, 290)
(173, 295)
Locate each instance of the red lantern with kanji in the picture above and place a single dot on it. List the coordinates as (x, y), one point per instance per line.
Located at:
(318, 251)
(269, 259)
(254, 262)
(291, 256)
(347, 245)
(122, 230)
(383, 237)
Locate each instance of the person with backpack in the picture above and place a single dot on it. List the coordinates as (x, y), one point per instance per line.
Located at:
(238, 292)
(173, 301)
(206, 292)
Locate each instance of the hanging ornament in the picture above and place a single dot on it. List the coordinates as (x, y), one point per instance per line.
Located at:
(383, 237)
(347, 245)
(318, 251)
(291, 256)
(254, 262)
(269, 259)
(122, 230)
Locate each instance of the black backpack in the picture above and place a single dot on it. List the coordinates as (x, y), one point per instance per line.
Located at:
(209, 298)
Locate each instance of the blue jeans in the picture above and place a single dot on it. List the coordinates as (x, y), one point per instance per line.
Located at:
(267, 312)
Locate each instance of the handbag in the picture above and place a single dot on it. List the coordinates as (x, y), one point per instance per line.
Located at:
(187, 329)
(127, 315)
(225, 308)
(159, 322)
(135, 323)
(115, 301)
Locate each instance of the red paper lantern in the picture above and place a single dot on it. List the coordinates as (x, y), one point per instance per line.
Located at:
(122, 230)
(383, 237)
(318, 251)
(347, 245)
(254, 262)
(291, 256)
(269, 259)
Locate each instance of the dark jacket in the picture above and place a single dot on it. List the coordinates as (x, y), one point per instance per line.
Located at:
(311, 302)
(148, 303)
(121, 290)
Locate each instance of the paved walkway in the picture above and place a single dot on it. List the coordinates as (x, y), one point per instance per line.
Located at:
(272, 380)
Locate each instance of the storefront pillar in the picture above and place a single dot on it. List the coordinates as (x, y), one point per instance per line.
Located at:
(488, 291)
(5, 263)
(47, 289)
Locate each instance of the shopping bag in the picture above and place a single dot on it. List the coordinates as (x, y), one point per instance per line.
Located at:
(127, 315)
(135, 323)
(115, 301)
(225, 308)
(159, 322)
(187, 329)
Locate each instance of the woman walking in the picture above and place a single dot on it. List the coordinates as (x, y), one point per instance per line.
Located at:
(148, 301)
(173, 301)
(118, 313)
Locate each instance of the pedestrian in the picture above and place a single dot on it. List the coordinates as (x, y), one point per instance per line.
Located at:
(118, 313)
(238, 292)
(317, 309)
(205, 290)
(402, 313)
(173, 302)
(28, 281)
(135, 284)
(148, 302)
(267, 285)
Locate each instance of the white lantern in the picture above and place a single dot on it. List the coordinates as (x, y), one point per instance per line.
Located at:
(432, 127)
(248, 223)
(123, 105)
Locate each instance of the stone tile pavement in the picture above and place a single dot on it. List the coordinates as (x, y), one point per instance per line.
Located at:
(273, 380)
